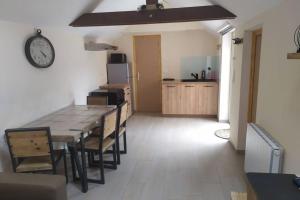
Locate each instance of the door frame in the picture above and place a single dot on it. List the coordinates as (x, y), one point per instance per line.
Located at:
(134, 68)
(251, 115)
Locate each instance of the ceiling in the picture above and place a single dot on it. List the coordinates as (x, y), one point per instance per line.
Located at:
(60, 13)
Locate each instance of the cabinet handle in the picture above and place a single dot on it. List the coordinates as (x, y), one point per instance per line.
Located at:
(171, 86)
(189, 86)
(208, 86)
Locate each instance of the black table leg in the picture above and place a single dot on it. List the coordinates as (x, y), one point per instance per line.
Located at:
(83, 160)
(81, 166)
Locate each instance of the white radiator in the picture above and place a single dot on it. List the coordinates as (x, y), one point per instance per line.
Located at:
(263, 153)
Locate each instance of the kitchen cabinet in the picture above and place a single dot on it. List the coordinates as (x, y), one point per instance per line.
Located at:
(190, 98)
(208, 98)
(171, 98)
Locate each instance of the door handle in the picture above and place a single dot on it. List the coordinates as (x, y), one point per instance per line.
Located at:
(138, 76)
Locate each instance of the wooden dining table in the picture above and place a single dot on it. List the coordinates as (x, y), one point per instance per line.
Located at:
(70, 125)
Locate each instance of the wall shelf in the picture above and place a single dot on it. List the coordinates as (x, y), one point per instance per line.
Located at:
(293, 56)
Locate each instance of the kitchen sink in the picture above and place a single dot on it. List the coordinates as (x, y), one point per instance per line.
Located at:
(198, 80)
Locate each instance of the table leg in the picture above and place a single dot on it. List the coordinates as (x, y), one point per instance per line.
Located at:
(81, 166)
(83, 160)
(71, 150)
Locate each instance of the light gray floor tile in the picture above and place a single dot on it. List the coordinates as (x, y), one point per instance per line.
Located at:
(171, 159)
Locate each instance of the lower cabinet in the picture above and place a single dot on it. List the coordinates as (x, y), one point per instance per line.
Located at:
(190, 98)
(171, 99)
(208, 99)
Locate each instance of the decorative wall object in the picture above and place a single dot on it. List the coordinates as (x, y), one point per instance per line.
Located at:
(39, 51)
(297, 43)
(297, 39)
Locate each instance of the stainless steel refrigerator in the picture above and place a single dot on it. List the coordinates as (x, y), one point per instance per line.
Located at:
(119, 73)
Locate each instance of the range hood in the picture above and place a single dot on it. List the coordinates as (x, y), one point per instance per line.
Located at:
(93, 46)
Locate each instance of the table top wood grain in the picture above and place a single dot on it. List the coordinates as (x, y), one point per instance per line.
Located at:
(68, 123)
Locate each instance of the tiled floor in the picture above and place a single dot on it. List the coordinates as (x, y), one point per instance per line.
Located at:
(171, 159)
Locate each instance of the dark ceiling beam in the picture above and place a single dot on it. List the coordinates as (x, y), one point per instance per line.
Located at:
(151, 2)
(188, 14)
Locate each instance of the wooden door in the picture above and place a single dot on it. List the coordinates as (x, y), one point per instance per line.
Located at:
(147, 53)
(209, 99)
(189, 99)
(171, 99)
(254, 75)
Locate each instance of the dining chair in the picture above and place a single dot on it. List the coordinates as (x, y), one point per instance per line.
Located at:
(121, 129)
(99, 143)
(31, 151)
(120, 132)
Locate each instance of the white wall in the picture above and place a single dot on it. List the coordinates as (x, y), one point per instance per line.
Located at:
(278, 107)
(181, 50)
(27, 93)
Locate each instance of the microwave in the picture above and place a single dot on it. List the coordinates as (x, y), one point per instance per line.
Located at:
(118, 58)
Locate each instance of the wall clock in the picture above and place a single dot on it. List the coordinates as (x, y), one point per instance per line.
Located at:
(39, 51)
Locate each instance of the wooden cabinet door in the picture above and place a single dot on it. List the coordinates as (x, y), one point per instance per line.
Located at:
(208, 99)
(201, 100)
(171, 99)
(189, 99)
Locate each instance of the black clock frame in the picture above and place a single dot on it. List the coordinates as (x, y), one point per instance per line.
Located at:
(28, 54)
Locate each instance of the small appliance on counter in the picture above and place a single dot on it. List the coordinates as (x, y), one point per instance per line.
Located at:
(114, 96)
(117, 58)
(209, 73)
(203, 75)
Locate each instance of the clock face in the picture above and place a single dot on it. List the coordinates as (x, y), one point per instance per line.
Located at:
(39, 51)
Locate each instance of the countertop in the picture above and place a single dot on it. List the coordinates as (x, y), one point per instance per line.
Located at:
(191, 82)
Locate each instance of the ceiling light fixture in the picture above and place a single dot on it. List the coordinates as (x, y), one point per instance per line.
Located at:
(226, 28)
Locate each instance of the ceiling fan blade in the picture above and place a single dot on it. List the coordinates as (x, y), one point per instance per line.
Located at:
(151, 2)
(187, 14)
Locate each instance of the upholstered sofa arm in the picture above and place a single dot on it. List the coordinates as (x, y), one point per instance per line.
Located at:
(32, 187)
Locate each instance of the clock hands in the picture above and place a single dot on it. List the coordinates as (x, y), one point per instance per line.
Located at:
(43, 54)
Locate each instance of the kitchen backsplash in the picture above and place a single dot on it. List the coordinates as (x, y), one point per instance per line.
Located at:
(193, 64)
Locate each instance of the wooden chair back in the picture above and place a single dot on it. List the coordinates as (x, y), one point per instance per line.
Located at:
(29, 142)
(123, 112)
(109, 123)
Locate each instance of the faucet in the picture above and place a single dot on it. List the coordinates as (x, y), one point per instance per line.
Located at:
(195, 75)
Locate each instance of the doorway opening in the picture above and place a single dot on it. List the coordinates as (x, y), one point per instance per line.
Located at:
(225, 77)
(225, 73)
(254, 74)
